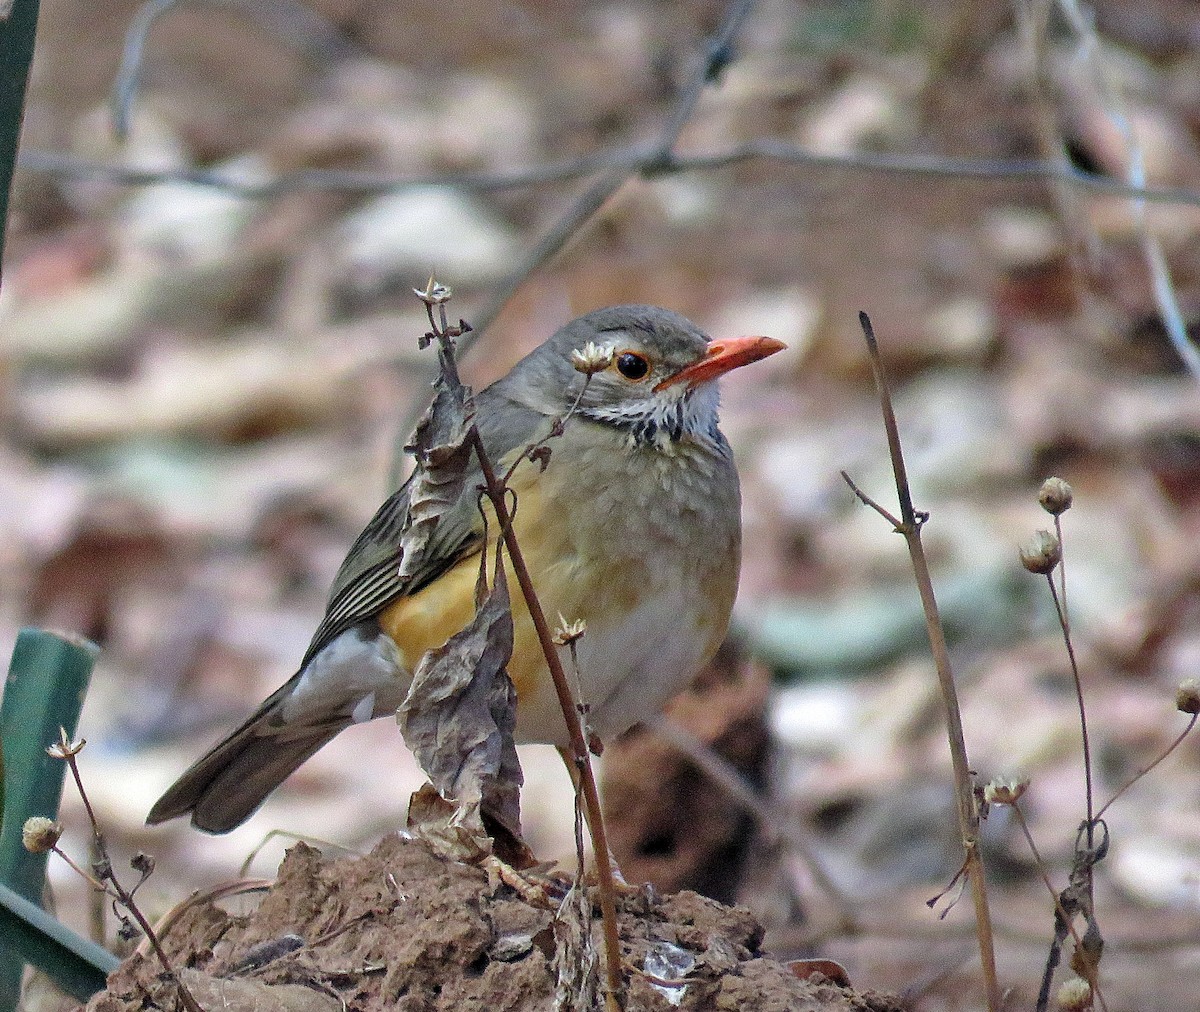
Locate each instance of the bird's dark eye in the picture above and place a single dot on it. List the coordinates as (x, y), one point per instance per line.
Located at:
(631, 365)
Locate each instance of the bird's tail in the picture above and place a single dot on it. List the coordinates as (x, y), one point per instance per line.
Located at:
(224, 787)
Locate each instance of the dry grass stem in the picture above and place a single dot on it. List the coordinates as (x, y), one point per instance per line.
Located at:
(909, 525)
(1062, 916)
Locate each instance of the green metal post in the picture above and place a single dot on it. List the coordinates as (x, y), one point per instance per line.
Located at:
(17, 33)
(46, 684)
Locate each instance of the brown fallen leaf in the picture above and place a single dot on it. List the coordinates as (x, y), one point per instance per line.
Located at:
(458, 719)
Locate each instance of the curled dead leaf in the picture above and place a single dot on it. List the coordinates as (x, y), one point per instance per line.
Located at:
(458, 719)
(441, 446)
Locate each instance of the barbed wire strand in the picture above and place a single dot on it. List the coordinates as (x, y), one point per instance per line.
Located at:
(641, 159)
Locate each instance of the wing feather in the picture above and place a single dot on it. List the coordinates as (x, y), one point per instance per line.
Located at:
(369, 579)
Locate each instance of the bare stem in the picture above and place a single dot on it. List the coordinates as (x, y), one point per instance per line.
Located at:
(909, 526)
(106, 878)
(1061, 609)
(82, 872)
(866, 500)
(579, 749)
(1064, 917)
(496, 491)
(1065, 612)
(1040, 864)
(1142, 772)
(533, 449)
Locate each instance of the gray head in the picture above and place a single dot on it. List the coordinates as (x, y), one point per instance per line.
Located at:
(658, 375)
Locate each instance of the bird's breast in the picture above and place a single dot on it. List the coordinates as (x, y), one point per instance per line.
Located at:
(640, 544)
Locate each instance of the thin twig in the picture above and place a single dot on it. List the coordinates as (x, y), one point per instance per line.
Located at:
(1059, 596)
(130, 70)
(1142, 772)
(1066, 919)
(1032, 17)
(1135, 173)
(83, 873)
(716, 57)
(68, 751)
(1064, 625)
(1064, 611)
(291, 21)
(579, 748)
(909, 526)
(497, 492)
(867, 501)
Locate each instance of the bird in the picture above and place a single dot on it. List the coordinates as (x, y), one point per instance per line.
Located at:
(631, 525)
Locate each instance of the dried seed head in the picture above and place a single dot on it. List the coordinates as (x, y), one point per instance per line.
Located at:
(1055, 496)
(1004, 792)
(435, 293)
(1075, 995)
(1041, 553)
(143, 864)
(568, 632)
(592, 358)
(40, 834)
(65, 748)
(1187, 696)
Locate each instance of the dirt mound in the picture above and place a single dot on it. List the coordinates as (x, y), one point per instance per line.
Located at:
(404, 928)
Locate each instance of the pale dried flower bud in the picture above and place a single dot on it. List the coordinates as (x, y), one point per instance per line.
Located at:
(568, 632)
(1055, 496)
(435, 293)
(592, 358)
(65, 748)
(1004, 792)
(1075, 995)
(1041, 553)
(40, 834)
(1187, 696)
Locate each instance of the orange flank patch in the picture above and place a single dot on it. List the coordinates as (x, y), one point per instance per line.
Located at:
(425, 620)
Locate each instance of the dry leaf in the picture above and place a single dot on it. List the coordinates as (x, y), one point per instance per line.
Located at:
(458, 719)
(451, 828)
(443, 456)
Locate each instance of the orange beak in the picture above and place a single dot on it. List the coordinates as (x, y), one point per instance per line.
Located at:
(720, 357)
